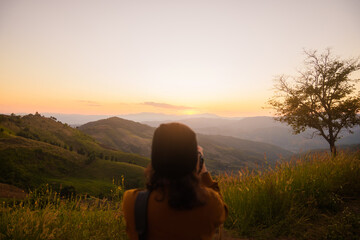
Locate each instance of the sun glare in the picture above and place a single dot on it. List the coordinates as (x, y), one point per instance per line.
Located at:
(189, 112)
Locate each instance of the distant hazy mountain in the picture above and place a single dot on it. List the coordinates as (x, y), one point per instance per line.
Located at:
(75, 119)
(79, 119)
(260, 129)
(264, 129)
(222, 153)
(149, 117)
(225, 153)
(196, 122)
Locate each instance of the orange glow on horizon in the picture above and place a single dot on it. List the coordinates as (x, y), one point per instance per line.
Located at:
(145, 56)
(86, 107)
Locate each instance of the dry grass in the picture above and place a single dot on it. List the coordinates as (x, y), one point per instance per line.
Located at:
(310, 198)
(46, 215)
(287, 200)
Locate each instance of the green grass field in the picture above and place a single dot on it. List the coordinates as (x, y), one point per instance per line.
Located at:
(292, 198)
(317, 197)
(45, 215)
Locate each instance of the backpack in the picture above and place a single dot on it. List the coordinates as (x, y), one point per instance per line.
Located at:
(141, 204)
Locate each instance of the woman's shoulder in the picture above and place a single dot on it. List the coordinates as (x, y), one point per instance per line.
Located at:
(213, 196)
(215, 205)
(214, 201)
(130, 195)
(131, 192)
(129, 198)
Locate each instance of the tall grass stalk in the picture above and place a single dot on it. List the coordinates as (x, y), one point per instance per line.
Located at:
(45, 215)
(279, 201)
(283, 200)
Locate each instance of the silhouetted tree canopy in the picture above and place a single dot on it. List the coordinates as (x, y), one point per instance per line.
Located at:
(322, 97)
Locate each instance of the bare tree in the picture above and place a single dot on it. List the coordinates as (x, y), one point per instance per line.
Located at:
(322, 97)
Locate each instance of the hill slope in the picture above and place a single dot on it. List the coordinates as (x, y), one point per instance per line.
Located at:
(121, 134)
(264, 129)
(222, 153)
(230, 154)
(48, 130)
(36, 150)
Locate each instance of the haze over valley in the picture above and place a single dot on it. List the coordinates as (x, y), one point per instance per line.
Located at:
(36, 150)
(260, 129)
(85, 83)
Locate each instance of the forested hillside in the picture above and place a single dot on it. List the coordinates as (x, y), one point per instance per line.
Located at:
(121, 134)
(35, 150)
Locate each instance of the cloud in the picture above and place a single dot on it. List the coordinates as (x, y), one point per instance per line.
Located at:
(168, 106)
(89, 103)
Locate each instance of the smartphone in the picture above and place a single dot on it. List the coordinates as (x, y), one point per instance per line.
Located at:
(201, 160)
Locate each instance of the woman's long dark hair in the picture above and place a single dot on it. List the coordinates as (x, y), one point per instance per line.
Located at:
(174, 158)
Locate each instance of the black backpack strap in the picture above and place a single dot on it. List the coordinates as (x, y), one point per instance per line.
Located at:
(141, 203)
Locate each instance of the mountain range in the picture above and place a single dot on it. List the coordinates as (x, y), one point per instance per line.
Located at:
(223, 153)
(35, 150)
(260, 129)
(80, 119)
(263, 129)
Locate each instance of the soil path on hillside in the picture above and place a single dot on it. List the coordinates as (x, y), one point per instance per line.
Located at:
(10, 191)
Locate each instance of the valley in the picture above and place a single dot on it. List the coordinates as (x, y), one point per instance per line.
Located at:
(36, 150)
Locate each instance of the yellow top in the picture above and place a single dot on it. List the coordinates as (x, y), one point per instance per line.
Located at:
(167, 223)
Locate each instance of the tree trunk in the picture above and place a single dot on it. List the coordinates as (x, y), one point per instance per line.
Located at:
(332, 140)
(333, 149)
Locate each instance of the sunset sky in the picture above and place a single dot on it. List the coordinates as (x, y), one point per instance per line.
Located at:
(174, 57)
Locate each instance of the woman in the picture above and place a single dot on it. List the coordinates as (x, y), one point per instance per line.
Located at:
(184, 201)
